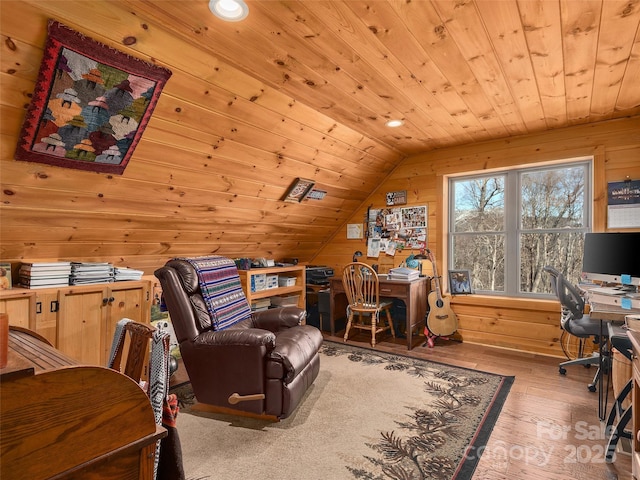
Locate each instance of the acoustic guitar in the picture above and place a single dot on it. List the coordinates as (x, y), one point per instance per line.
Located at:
(441, 320)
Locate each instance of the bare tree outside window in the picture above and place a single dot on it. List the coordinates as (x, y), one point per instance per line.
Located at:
(479, 218)
(506, 227)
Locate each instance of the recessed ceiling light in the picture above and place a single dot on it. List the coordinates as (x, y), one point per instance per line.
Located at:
(229, 10)
(394, 123)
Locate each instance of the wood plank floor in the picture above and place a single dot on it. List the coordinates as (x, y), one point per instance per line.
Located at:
(548, 428)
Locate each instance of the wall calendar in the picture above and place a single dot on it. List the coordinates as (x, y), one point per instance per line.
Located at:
(623, 204)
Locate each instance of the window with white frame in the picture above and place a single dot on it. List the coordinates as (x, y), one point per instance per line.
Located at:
(506, 226)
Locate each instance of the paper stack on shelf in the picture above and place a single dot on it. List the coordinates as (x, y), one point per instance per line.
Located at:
(597, 289)
(44, 274)
(85, 273)
(402, 273)
(260, 304)
(124, 273)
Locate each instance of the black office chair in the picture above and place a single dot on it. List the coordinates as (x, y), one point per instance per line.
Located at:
(576, 323)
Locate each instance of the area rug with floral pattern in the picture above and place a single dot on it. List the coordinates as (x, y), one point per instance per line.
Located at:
(368, 415)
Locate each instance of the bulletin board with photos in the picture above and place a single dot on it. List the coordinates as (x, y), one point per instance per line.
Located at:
(395, 229)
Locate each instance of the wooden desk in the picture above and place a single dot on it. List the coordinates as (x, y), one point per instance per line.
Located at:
(606, 313)
(611, 313)
(63, 420)
(635, 400)
(413, 294)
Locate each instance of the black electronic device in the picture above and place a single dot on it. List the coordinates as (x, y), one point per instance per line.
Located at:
(318, 275)
(612, 257)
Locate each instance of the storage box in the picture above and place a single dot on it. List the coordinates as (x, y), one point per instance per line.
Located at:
(286, 281)
(258, 282)
(284, 301)
(272, 281)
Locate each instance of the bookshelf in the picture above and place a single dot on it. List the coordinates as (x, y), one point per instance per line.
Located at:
(254, 276)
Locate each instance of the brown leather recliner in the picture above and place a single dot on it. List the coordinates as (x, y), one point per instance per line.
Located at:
(263, 364)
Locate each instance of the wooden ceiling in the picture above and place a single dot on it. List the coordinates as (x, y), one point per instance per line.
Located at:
(455, 71)
(298, 89)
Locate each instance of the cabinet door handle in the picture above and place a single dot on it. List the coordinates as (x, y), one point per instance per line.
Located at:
(54, 306)
(38, 307)
(105, 300)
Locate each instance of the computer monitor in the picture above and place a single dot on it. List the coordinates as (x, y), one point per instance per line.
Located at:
(612, 257)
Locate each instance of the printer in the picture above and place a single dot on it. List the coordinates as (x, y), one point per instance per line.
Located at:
(318, 275)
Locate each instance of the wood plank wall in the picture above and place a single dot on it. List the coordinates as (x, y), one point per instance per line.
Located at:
(220, 151)
(209, 173)
(529, 325)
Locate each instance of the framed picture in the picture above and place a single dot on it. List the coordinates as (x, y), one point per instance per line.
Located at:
(396, 198)
(5, 276)
(298, 190)
(460, 282)
(355, 230)
(90, 105)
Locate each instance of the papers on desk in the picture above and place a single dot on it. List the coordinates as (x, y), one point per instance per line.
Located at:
(612, 298)
(607, 291)
(405, 274)
(623, 301)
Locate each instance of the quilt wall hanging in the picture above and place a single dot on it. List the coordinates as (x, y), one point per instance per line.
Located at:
(90, 105)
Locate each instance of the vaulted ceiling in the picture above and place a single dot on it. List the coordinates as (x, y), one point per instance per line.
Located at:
(455, 71)
(299, 89)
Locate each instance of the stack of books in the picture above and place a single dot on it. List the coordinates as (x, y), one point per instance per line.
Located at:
(44, 274)
(86, 273)
(124, 273)
(402, 273)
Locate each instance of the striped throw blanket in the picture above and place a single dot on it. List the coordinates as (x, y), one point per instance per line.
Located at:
(221, 290)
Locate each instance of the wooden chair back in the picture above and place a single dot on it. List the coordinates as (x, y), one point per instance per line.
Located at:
(135, 343)
(362, 287)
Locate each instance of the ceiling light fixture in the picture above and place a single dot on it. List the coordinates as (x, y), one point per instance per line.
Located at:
(229, 10)
(394, 123)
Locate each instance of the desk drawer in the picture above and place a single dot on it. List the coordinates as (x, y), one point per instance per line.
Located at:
(396, 291)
